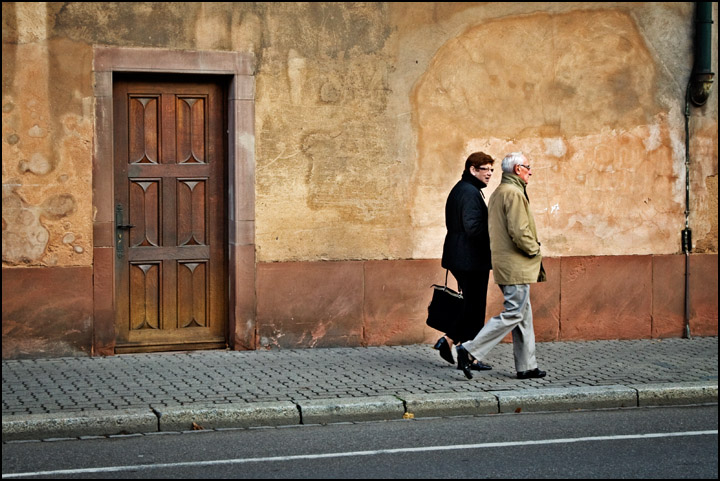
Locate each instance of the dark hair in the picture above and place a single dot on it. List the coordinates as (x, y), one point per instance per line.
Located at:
(476, 159)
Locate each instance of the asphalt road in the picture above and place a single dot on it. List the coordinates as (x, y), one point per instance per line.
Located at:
(671, 442)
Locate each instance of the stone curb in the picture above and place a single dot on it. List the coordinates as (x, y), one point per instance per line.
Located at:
(565, 399)
(335, 410)
(677, 393)
(451, 404)
(76, 424)
(227, 416)
(374, 408)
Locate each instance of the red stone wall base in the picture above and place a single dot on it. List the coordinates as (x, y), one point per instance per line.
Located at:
(50, 312)
(375, 303)
(46, 312)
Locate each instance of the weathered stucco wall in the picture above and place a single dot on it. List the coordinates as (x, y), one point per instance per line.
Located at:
(46, 143)
(588, 120)
(587, 94)
(365, 113)
(363, 116)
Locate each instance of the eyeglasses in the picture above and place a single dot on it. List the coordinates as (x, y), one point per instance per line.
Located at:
(485, 169)
(526, 166)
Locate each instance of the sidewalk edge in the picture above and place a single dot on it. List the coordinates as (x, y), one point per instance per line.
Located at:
(323, 411)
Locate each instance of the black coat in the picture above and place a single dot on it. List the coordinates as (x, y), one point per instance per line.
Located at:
(467, 243)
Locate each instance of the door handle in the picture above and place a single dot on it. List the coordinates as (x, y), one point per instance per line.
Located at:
(120, 227)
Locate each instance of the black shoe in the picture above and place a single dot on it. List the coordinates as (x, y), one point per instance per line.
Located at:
(464, 361)
(444, 348)
(476, 365)
(531, 374)
(480, 366)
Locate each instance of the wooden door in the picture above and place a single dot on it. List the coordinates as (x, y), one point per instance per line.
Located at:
(170, 214)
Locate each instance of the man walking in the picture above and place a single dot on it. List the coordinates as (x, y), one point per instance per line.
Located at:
(517, 263)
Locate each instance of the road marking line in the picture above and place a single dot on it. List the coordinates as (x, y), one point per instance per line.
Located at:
(219, 462)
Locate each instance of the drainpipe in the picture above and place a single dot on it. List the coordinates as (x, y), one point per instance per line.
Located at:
(697, 92)
(687, 233)
(701, 79)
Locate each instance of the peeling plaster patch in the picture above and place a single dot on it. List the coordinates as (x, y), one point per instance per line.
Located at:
(338, 175)
(653, 141)
(678, 149)
(248, 37)
(296, 74)
(273, 340)
(318, 332)
(37, 131)
(330, 92)
(31, 20)
(24, 239)
(211, 28)
(38, 165)
(555, 147)
(59, 206)
(707, 242)
(88, 104)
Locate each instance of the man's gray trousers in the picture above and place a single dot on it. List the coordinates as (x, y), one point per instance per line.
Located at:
(517, 317)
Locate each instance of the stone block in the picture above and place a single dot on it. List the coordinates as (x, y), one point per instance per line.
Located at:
(668, 294)
(47, 312)
(566, 399)
(336, 410)
(606, 298)
(213, 416)
(76, 424)
(451, 404)
(677, 393)
(704, 294)
(397, 294)
(310, 304)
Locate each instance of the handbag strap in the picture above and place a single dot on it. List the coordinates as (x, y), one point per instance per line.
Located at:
(447, 271)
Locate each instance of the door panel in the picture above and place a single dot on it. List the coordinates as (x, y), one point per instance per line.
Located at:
(170, 203)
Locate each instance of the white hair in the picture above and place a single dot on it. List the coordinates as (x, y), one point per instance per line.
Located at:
(511, 160)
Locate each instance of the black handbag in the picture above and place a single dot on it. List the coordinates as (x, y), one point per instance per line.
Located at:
(445, 308)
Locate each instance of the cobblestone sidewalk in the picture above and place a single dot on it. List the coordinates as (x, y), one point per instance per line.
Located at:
(164, 380)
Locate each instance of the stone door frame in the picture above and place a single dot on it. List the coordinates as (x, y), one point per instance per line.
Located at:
(240, 68)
